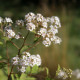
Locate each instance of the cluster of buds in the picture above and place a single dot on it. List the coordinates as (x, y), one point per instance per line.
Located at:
(63, 73)
(47, 27)
(25, 60)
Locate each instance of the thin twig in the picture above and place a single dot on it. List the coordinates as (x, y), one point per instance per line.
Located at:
(3, 62)
(33, 45)
(10, 72)
(23, 43)
(7, 56)
(18, 54)
(14, 44)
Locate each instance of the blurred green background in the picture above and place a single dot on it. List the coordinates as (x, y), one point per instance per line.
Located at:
(67, 54)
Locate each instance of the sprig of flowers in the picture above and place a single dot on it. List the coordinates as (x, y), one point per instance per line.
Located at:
(26, 60)
(63, 73)
(47, 27)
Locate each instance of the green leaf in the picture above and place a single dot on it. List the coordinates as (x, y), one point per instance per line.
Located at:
(48, 78)
(47, 71)
(2, 75)
(17, 77)
(5, 38)
(34, 69)
(24, 48)
(40, 69)
(2, 65)
(0, 57)
(28, 70)
(1, 43)
(30, 78)
(58, 69)
(12, 77)
(36, 39)
(23, 76)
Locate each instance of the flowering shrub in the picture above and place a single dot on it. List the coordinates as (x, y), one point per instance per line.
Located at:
(45, 30)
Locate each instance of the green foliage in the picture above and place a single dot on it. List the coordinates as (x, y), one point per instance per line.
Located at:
(28, 69)
(5, 38)
(34, 69)
(23, 76)
(47, 71)
(30, 78)
(1, 43)
(17, 77)
(40, 69)
(0, 57)
(36, 39)
(2, 65)
(48, 78)
(24, 48)
(12, 77)
(58, 69)
(2, 75)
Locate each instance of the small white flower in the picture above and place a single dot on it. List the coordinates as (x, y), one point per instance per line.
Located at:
(48, 19)
(17, 36)
(57, 21)
(53, 38)
(42, 32)
(62, 75)
(78, 76)
(57, 40)
(26, 54)
(52, 29)
(29, 17)
(44, 24)
(20, 22)
(10, 33)
(50, 34)
(8, 20)
(23, 69)
(39, 17)
(24, 57)
(76, 73)
(15, 60)
(1, 19)
(35, 60)
(52, 20)
(30, 26)
(47, 42)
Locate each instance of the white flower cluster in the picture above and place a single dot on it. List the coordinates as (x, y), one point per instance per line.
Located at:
(20, 22)
(76, 73)
(62, 74)
(44, 26)
(11, 34)
(6, 20)
(1, 19)
(26, 60)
